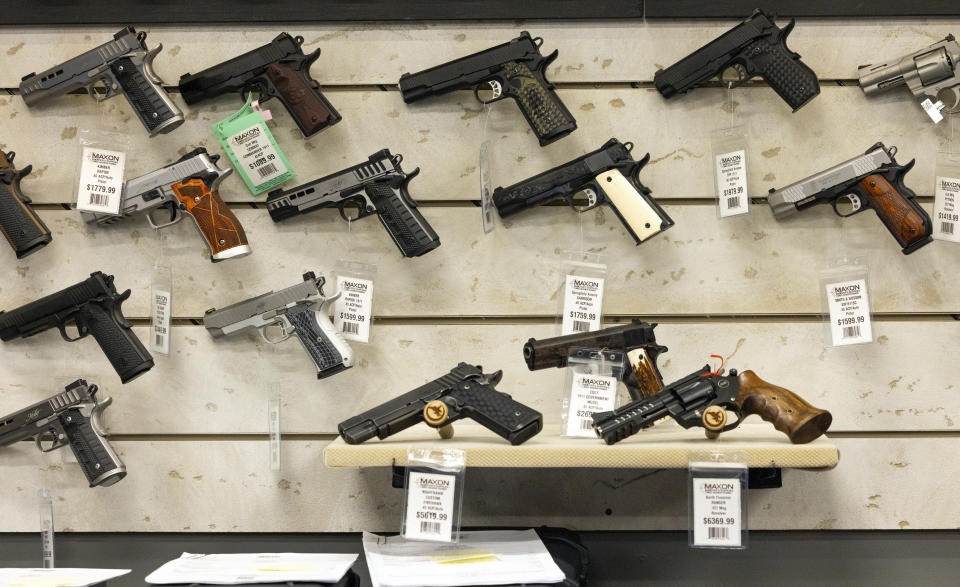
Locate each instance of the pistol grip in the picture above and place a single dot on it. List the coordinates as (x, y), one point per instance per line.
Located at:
(539, 103)
(900, 213)
(326, 347)
(788, 413)
(308, 106)
(495, 410)
(151, 103)
(105, 321)
(789, 77)
(99, 462)
(398, 213)
(217, 224)
(639, 213)
(25, 231)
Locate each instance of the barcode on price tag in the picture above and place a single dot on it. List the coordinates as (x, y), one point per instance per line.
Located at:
(946, 209)
(429, 508)
(731, 174)
(588, 394)
(582, 302)
(849, 312)
(353, 310)
(160, 326)
(100, 188)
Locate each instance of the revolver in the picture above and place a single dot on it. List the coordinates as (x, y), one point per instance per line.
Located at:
(191, 184)
(608, 176)
(121, 65)
(704, 399)
(93, 305)
(279, 69)
(24, 230)
(71, 417)
(297, 310)
(465, 392)
(637, 340)
(376, 186)
(755, 47)
(929, 72)
(872, 180)
(512, 70)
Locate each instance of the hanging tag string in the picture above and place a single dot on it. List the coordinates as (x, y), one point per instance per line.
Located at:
(717, 371)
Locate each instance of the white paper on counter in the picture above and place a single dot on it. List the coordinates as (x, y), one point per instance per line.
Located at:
(494, 557)
(264, 567)
(61, 577)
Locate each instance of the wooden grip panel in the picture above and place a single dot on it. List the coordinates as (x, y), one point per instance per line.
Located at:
(788, 413)
(219, 227)
(310, 110)
(905, 220)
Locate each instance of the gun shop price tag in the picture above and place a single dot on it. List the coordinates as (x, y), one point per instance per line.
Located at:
(100, 187)
(933, 109)
(717, 507)
(353, 310)
(849, 308)
(430, 500)
(731, 176)
(589, 393)
(582, 304)
(252, 149)
(161, 300)
(946, 209)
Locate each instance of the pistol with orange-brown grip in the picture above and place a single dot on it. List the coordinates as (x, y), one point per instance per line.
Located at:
(277, 69)
(24, 230)
(873, 180)
(707, 399)
(189, 186)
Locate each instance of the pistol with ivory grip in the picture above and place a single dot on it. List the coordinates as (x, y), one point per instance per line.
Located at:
(277, 69)
(933, 72)
(72, 417)
(607, 176)
(299, 310)
(465, 392)
(872, 180)
(25, 231)
(123, 65)
(705, 399)
(636, 340)
(190, 185)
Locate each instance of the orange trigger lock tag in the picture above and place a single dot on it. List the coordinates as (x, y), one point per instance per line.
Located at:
(719, 370)
(266, 113)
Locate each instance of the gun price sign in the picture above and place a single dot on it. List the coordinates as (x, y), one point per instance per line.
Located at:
(430, 501)
(353, 309)
(946, 209)
(101, 180)
(582, 302)
(717, 507)
(849, 312)
(588, 394)
(731, 174)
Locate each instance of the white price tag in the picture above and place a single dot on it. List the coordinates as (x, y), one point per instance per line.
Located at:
(588, 394)
(946, 209)
(731, 174)
(273, 417)
(933, 109)
(100, 188)
(255, 153)
(849, 312)
(160, 325)
(582, 302)
(717, 511)
(353, 310)
(430, 499)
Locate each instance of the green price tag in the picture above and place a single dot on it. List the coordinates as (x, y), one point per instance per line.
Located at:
(252, 149)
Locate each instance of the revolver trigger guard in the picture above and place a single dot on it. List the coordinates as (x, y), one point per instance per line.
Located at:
(955, 93)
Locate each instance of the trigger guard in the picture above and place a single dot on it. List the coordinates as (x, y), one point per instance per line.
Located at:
(283, 333)
(955, 92)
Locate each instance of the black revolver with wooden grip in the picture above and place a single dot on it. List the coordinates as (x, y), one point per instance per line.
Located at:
(94, 306)
(512, 70)
(278, 69)
(705, 398)
(465, 392)
(24, 230)
(608, 176)
(756, 47)
(636, 340)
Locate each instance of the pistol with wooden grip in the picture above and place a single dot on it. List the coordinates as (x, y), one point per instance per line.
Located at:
(608, 176)
(72, 417)
(636, 340)
(873, 180)
(514, 70)
(23, 229)
(465, 392)
(706, 399)
(277, 69)
(191, 186)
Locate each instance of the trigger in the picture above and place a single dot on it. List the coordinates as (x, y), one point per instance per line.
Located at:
(172, 207)
(733, 75)
(591, 198)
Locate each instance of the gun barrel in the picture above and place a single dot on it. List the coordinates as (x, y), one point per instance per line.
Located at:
(920, 70)
(50, 310)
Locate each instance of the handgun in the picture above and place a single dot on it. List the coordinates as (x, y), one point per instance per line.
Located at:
(704, 398)
(70, 418)
(376, 186)
(299, 310)
(123, 65)
(189, 185)
(872, 180)
(25, 231)
(512, 70)
(465, 392)
(930, 72)
(607, 176)
(636, 340)
(755, 47)
(93, 305)
(279, 69)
